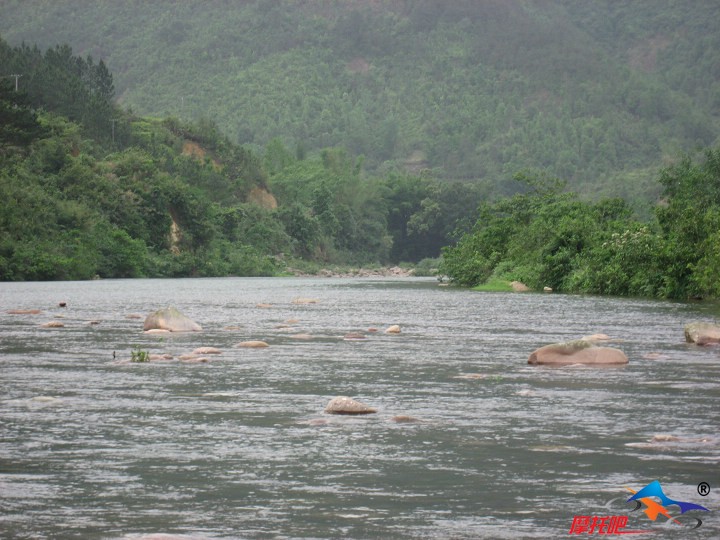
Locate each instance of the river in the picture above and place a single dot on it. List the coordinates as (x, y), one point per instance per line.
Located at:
(92, 446)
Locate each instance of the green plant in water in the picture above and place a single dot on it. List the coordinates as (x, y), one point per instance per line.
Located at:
(138, 355)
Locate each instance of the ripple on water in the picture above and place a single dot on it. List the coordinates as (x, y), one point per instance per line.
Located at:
(240, 447)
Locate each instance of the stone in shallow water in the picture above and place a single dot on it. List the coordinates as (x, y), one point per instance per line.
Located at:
(53, 324)
(301, 301)
(404, 419)
(252, 344)
(170, 319)
(207, 350)
(577, 352)
(702, 333)
(346, 405)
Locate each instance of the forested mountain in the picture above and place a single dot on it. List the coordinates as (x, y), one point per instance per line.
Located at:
(598, 93)
(91, 189)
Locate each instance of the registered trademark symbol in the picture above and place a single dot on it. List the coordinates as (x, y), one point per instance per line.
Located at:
(704, 489)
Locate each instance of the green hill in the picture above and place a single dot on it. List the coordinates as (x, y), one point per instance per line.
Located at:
(90, 189)
(598, 93)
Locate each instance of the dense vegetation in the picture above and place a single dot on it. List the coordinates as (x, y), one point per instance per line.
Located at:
(546, 238)
(91, 190)
(260, 137)
(598, 93)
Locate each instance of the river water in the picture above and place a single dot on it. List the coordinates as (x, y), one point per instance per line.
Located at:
(92, 446)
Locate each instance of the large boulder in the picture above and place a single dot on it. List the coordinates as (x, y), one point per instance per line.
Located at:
(346, 405)
(577, 352)
(702, 333)
(172, 320)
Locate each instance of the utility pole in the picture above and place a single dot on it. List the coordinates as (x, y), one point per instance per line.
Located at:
(16, 80)
(113, 120)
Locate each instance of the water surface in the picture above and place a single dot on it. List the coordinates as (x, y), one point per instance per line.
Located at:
(92, 446)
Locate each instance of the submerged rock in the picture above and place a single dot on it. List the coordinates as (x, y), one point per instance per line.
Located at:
(170, 319)
(654, 356)
(316, 422)
(470, 376)
(23, 312)
(702, 333)
(252, 344)
(577, 352)
(196, 360)
(346, 405)
(404, 419)
(206, 350)
(53, 324)
(663, 440)
(160, 357)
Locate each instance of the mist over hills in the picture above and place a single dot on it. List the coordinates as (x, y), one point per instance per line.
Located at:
(598, 93)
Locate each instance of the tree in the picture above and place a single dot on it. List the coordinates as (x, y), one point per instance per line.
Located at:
(19, 125)
(689, 221)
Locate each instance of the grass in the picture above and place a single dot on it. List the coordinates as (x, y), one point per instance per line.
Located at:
(138, 355)
(494, 285)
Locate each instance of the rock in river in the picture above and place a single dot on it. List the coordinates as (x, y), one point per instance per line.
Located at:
(702, 333)
(53, 324)
(172, 320)
(346, 405)
(577, 352)
(206, 350)
(252, 344)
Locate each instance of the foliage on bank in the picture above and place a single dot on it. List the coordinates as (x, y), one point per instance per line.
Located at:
(91, 190)
(547, 238)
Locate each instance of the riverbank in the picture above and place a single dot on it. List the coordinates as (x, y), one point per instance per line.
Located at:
(392, 271)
